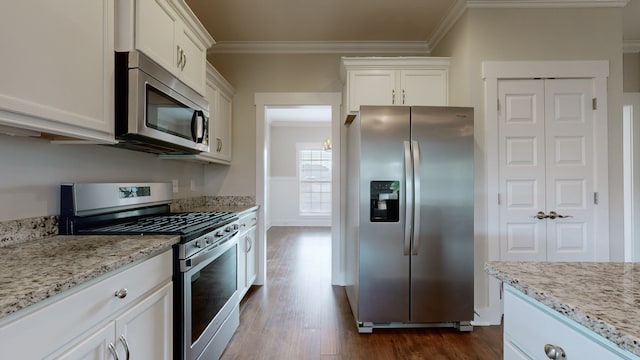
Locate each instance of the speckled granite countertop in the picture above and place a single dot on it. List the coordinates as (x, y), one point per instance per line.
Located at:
(603, 297)
(35, 270)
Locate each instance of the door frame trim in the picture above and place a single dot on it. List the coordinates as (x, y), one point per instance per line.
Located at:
(492, 72)
(261, 102)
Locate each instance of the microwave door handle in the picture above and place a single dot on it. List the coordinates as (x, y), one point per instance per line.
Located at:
(197, 126)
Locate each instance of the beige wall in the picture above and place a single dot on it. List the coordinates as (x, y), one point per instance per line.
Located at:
(283, 146)
(250, 74)
(31, 171)
(631, 72)
(538, 34)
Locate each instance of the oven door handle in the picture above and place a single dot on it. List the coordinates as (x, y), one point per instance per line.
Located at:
(209, 254)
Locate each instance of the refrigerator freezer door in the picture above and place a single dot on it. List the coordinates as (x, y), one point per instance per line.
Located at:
(442, 250)
(384, 268)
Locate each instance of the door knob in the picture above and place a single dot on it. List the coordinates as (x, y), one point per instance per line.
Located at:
(540, 215)
(553, 215)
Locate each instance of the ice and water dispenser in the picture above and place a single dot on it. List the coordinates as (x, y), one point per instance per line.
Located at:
(384, 203)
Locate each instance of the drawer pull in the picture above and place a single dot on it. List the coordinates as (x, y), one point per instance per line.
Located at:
(122, 293)
(554, 352)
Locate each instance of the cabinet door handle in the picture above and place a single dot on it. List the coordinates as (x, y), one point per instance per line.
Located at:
(113, 352)
(404, 97)
(122, 293)
(249, 244)
(179, 55)
(184, 60)
(123, 340)
(554, 352)
(393, 96)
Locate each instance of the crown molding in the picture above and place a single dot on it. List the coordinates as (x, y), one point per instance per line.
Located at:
(631, 46)
(460, 6)
(321, 47)
(454, 14)
(456, 11)
(545, 3)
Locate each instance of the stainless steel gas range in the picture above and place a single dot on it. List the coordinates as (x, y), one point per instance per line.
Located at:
(206, 311)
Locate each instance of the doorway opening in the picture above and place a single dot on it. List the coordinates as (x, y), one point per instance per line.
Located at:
(299, 173)
(287, 123)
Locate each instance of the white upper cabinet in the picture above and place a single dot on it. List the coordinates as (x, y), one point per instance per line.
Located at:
(394, 81)
(220, 97)
(168, 32)
(57, 68)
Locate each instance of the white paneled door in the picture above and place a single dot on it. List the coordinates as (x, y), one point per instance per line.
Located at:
(547, 171)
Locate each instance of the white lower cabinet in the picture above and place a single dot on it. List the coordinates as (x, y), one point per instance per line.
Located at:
(532, 330)
(93, 347)
(92, 322)
(247, 252)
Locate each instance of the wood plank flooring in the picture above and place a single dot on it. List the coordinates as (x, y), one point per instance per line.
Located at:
(300, 315)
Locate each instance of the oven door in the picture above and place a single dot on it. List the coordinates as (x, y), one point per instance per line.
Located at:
(209, 296)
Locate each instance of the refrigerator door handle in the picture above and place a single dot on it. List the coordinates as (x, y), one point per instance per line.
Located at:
(416, 196)
(408, 198)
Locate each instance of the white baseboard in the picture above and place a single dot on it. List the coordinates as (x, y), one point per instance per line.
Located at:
(486, 317)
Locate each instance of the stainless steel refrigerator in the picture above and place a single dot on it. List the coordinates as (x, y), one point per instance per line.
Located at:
(409, 233)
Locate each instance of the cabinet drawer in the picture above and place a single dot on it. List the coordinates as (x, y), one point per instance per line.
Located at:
(248, 220)
(530, 325)
(42, 330)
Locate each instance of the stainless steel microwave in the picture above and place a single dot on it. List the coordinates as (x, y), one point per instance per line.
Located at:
(156, 112)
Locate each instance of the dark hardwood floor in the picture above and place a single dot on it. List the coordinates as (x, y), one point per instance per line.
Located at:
(300, 315)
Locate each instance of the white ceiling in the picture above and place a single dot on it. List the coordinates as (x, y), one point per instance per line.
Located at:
(354, 21)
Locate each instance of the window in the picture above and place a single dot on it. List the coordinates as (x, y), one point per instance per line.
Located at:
(314, 179)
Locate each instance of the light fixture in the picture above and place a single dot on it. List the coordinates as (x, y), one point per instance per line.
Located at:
(326, 144)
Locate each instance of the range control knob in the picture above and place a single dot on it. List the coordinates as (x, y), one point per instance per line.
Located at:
(227, 229)
(207, 240)
(198, 244)
(235, 227)
(219, 234)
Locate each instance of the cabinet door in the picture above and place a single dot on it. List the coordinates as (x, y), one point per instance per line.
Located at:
(147, 328)
(423, 87)
(93, 347)
(57, 67)
(223, 126)
(219, 124)
(156, 32)
(372, 87)
(242, 265)
(193, 66)
(251, 268)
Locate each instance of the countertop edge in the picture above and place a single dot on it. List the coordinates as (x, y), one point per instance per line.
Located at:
(624, 341)
(54, 289)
